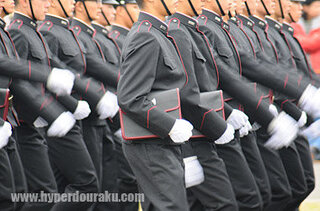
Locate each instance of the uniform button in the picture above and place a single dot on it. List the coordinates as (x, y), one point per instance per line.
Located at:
(147, 23)
(48, 23)
(77, 28)
(175, 20)
(202, 17)
(18, 21)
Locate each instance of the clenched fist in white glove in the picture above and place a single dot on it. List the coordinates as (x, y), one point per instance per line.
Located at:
(82, 111)
(237, 119)
(227, 136)
(5, 133)
(310, 101)
(62, 125)
(107, 106)
(245, 130)
(193, 171)
(283, 130)
(60, 81)
(181, 131)
(313, 131)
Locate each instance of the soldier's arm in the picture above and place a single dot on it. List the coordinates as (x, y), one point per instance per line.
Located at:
(138, 72)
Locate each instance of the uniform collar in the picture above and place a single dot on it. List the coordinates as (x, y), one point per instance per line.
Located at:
(212, 16)
(56, 20)
(246, 21)
(121, 29)
(84, 27)
(25, 19)
(2, 23)
(273, 23)
(259, 22)
(288, 28)
(186, 20)
(99, 28)
(154, 21)
(234, 20)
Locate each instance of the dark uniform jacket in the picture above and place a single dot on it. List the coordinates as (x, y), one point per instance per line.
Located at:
(118, 34)
(149, 62)
(64, 44)
(299, 56)
(96, 65)
(257, 67)
(226, 80)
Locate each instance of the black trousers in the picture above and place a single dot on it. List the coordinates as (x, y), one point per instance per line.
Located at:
(303, 148)
(101, 150)
(242, 180)
(252, 154)
(126, 180)
(280, 187)
(295, 173)
(160, 174)
(12, 178)
(33, 150)
(216, 192)
(72, 167)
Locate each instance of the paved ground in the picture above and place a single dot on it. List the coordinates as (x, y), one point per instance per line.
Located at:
(312, 203)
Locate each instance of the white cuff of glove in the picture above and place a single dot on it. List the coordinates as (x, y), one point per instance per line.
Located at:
(5, 133)
(107, 106)
(40, 122)
(60, 81)
(273, 110)
(309, 101)
(313, 131)
(237, 119)
(193, 171)
(82, 111)
(62, 125)
(227, 136)
(181, 131)
(283, 130)
(303, 119)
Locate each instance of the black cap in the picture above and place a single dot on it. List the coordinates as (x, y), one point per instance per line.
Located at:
(123, 2)
(308, 2)
(112, 2)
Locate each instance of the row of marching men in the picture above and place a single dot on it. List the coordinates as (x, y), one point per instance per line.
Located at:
(60, 128)
(256, 157)
(67, 143)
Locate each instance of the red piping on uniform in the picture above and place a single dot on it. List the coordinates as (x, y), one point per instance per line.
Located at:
(142, 23)
(206, 19)
(117, 33)
(174, 41)
(16, 21)
(283, 102)
(88, 84)
(203, 117)
(148, 115)
(29, 69)
(286, 81)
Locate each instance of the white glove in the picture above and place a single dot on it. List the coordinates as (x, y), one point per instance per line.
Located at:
(62, 125)
(313, 131)
(237, 119)
(245, 130)
(40, 122)
(273, 110)
(181, 131)
(60, 81)
(227, 136)
(193, 171)
(310, 101)
(283, 130)
(82, 111)
(107, 106)
(5, 133)
(302, 120)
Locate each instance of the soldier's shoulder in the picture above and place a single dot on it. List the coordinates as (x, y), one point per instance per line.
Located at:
(16, 25)
(46, 26)
(174, 24)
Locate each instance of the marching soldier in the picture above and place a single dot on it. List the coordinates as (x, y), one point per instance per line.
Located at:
(126, 14)
(68, 153)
